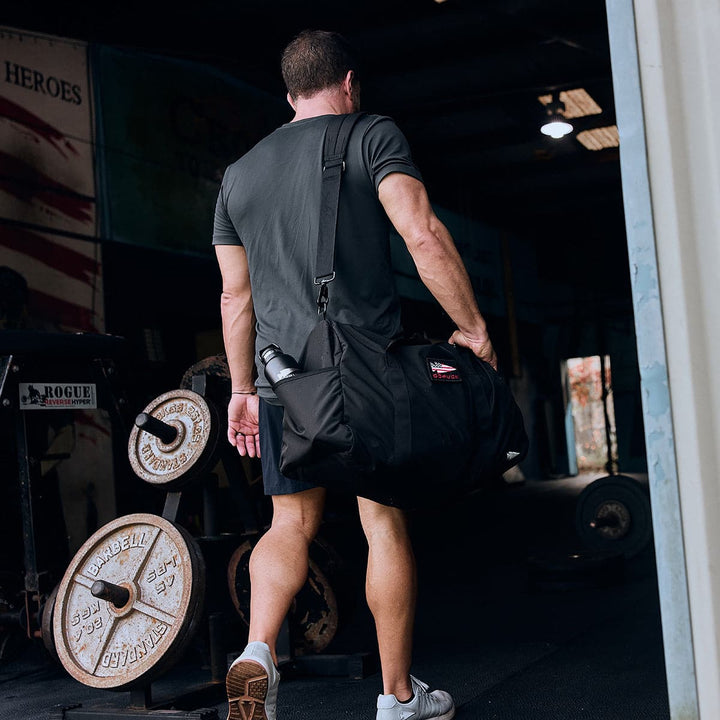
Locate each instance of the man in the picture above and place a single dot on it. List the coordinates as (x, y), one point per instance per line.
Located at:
(265, 235)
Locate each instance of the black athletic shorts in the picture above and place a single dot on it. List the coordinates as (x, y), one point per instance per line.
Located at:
(274, 482)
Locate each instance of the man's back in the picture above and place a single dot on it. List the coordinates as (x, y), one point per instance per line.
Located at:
(270, 203)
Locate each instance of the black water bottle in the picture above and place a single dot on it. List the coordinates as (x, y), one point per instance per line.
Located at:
(278, 365)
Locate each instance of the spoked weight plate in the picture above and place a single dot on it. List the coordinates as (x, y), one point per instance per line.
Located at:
(173, 439)
(129, 602)
(613, 513)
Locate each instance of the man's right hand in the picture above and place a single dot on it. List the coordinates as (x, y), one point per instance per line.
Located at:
(481, 348)
(243, 426)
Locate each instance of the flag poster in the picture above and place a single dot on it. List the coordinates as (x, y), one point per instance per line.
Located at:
(50, 265)
(50, 262)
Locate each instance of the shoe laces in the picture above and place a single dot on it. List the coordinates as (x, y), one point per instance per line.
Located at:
(424, 697)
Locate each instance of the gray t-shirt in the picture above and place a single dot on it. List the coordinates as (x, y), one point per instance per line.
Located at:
(269, 202)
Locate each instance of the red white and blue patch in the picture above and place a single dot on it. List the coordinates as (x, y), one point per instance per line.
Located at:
(442, 371)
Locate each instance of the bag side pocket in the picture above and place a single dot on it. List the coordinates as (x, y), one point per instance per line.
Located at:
(313, 426)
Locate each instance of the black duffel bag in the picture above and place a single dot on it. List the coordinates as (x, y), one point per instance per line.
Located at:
(399, 422)
(394, 420)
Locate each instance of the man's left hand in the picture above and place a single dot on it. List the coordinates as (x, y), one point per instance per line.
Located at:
(243, 427)
(481, 347)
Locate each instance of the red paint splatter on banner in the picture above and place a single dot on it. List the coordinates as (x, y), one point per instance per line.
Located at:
(29, 184)
(24, 117)
(71, 263)
(62, 312)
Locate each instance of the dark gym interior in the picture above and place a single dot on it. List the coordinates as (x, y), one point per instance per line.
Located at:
(538, 593)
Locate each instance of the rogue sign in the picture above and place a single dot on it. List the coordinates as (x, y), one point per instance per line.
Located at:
(54, 396)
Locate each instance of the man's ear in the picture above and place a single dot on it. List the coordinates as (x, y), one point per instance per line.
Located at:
(348, 82)
(291, 101)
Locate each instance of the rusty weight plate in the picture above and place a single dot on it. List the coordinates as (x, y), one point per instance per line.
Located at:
(156, 573)
(172, 462)
(217, 375)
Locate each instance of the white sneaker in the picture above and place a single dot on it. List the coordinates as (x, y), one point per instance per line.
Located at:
(424, 705)
(252, 685)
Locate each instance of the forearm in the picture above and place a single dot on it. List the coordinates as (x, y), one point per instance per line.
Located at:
(433, 251)
(443, 272)
(238, 324)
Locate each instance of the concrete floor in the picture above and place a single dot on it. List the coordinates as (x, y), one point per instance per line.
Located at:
(506, 640)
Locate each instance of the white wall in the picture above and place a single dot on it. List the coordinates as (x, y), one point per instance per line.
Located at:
(679, 56)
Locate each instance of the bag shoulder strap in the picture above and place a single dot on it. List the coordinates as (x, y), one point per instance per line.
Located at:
(336, 139)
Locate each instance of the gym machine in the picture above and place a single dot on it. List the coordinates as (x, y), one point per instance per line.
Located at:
(45, 378)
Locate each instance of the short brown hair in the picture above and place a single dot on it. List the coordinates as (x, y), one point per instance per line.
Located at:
(316, 60)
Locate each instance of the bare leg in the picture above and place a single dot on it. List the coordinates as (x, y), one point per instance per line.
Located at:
(391, 589)
(279, 562)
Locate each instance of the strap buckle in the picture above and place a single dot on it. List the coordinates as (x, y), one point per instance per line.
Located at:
(332, 162)
(322, 300)
(324, 279)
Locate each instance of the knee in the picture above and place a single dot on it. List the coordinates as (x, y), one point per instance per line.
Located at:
(382, 523)
(298, 514)
(296, 524)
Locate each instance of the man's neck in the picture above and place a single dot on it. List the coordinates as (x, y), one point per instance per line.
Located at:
(323, 103)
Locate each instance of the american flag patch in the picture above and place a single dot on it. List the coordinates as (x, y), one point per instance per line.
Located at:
(442, 371)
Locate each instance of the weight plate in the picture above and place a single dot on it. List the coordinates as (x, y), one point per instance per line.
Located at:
(239, 580)
(174, 463)
(217, 375)
(159, 569)
(46, 623)
(314, 613)
(313, 616)
(613, 513)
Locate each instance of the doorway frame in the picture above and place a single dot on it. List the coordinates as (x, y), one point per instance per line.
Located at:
(631, 100)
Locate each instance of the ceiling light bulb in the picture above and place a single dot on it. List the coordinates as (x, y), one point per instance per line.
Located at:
(556, 128)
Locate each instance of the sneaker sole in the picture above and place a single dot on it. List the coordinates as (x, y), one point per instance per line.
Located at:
(247, 686)
(449, 715)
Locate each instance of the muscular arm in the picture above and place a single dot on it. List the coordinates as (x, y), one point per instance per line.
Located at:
(238, 323)
(437, 260)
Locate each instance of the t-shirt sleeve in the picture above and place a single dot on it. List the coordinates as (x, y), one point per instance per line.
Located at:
(224, 232)
(386, 150)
